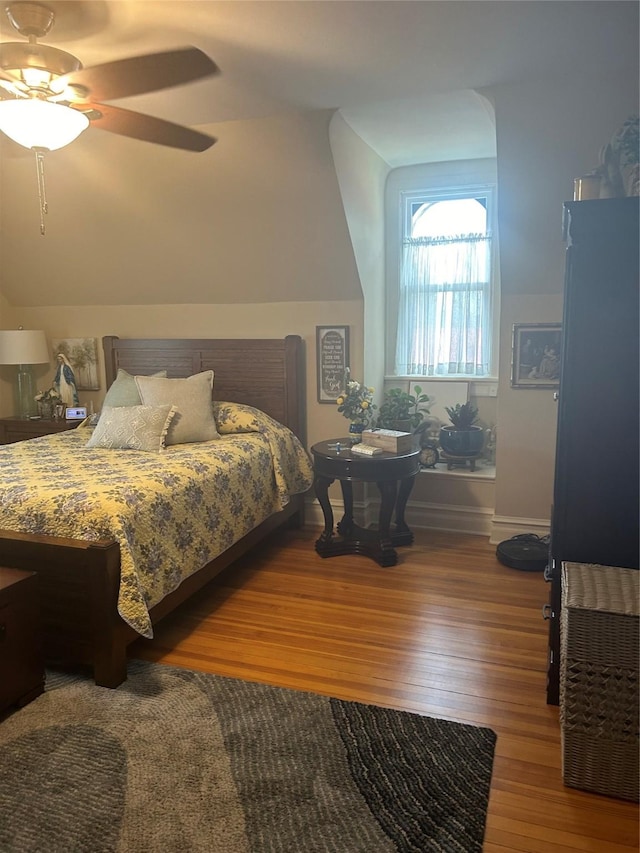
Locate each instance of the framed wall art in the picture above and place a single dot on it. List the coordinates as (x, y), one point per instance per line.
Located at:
(535, 359)
(82, 355)
(332, 359)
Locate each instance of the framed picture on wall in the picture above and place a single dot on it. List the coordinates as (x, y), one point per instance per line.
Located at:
(535, 359)
(82, 356)
(332, 359)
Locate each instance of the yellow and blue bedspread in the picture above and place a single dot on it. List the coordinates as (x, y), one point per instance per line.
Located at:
(171, 512)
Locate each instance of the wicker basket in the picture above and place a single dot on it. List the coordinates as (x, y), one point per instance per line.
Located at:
(599, 660)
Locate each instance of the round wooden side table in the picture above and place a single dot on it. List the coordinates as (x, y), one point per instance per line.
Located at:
(393, 473)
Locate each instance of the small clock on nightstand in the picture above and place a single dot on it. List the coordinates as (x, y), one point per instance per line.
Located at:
(429, 456)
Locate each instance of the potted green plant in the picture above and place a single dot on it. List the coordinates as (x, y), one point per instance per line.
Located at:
(464, 437)
(402, 410)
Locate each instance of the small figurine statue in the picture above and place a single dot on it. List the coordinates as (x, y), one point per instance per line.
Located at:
(65, 381)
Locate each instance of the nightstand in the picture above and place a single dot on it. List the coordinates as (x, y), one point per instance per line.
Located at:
(20, 429)
(21, 666)
(394, 474)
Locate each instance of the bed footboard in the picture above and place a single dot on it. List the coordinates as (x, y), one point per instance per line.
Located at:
(78, 584)
(78, 590)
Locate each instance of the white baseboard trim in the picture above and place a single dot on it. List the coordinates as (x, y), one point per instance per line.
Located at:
(457, 519)
(418, 515)
(505, 526)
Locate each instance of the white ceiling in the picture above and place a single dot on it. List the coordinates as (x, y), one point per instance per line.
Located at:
(402, 73)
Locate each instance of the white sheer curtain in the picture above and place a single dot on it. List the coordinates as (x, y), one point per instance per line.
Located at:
(444, 310)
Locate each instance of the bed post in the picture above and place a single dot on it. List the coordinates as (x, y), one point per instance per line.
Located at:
(295, 388)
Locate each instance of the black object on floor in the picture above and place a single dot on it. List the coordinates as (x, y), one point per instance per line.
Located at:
(525, 552)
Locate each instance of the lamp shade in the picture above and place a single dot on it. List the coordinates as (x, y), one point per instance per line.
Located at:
(41, 124)
(23, 346)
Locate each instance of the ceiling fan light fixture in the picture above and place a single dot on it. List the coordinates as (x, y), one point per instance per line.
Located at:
(36, 78)
(38, 124)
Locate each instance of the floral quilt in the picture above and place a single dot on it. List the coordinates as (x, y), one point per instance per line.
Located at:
(171, 512)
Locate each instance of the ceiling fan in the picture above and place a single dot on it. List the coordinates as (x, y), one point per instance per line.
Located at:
(48, 78)
(47, 99)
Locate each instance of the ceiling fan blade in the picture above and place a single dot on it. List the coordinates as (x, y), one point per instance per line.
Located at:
(140, 74)
(9, 78)
(6, 91)
(147, 128)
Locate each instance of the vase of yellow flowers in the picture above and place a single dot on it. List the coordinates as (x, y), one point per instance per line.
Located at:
(356, 404)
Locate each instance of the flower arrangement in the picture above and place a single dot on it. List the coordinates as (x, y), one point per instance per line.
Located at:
(47, 402)
(356, 401)
(50, 396)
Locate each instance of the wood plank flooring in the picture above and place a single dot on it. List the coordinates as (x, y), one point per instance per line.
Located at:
(448, 632)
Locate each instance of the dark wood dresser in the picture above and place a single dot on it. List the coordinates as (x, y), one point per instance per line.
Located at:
(21, 661)
(596, 508)
(20, 429)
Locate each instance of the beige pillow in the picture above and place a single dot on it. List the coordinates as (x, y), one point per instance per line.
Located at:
(132, 428)
(194, 419)
(124, 391)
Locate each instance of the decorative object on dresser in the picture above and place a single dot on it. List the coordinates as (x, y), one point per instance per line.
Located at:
(620, 161)
(88, 582)
(618, 172)
(429, 454)
(391, 440)
(47, 402)
(355, 402)
(596, 504)
(394, 474)
(181, 760)
(24, 348)
(64, 381)
(21, 662)
(17, 429)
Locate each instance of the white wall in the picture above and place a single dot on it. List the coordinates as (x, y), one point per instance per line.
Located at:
(548, 133)
(196, 321)
(361, 177)
(256, 218)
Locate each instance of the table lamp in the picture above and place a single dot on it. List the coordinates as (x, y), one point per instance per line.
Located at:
(24, 347)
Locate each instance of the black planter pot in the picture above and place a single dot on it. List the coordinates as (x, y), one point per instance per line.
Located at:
(462, 442)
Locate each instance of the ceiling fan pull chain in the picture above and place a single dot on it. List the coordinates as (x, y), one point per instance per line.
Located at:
(42, 192)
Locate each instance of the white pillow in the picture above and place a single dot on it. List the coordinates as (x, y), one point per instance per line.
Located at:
(133, 428)
(194, 419)
(124, 391)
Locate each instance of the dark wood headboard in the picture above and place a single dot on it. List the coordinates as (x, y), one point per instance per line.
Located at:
(266, 373)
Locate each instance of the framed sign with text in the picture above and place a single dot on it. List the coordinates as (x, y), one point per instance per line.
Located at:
(332, 359)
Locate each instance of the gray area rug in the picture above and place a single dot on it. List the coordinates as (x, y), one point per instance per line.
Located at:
(175, 760)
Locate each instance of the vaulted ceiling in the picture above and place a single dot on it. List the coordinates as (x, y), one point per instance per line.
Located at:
(400, 71)
(408, 78)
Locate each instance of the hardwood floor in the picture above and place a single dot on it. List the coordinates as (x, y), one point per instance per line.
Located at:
(448, 632)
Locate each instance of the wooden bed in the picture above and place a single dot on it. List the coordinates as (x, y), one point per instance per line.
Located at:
(79, 580)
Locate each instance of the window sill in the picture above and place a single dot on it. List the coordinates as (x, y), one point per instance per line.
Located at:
(484, 471)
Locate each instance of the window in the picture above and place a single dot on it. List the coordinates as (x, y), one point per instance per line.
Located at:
(444, 308)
